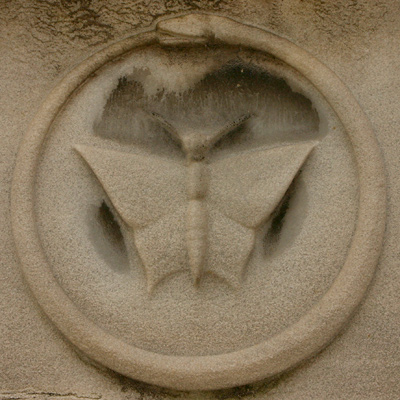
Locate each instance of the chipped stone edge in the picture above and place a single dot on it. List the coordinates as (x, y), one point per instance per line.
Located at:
(285, 350)
(33, 394)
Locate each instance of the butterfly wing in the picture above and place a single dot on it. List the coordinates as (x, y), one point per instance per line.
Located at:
(148, 192)
(244, 191)
(229, 247)
(142, 188)
(162, 247)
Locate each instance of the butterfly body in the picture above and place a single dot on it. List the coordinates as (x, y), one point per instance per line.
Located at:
(197, 216)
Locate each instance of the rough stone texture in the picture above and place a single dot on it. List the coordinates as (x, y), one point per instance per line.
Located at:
(41, 41)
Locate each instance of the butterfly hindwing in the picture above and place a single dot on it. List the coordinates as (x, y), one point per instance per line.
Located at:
(162, 247)
(229, 247)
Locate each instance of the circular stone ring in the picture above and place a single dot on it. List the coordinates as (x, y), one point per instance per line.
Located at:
(281, 352)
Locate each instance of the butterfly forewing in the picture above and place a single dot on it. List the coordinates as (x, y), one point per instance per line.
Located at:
(248, 187)
(142, 188)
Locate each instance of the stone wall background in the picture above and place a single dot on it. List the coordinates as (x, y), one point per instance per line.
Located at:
(40, 40)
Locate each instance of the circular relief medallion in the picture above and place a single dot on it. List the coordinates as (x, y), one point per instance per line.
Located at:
(199, 206)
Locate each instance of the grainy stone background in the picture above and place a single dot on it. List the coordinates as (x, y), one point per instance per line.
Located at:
(41, 40)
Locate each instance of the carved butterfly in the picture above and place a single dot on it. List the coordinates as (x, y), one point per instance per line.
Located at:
(198, 215)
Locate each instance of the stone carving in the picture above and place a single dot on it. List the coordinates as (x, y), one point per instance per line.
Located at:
(193, 205)
(202, 206)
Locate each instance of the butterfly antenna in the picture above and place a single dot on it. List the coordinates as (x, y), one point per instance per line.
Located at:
(166, 125)
(229, 128)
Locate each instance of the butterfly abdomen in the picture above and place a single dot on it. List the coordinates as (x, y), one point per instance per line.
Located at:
(197, 218)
